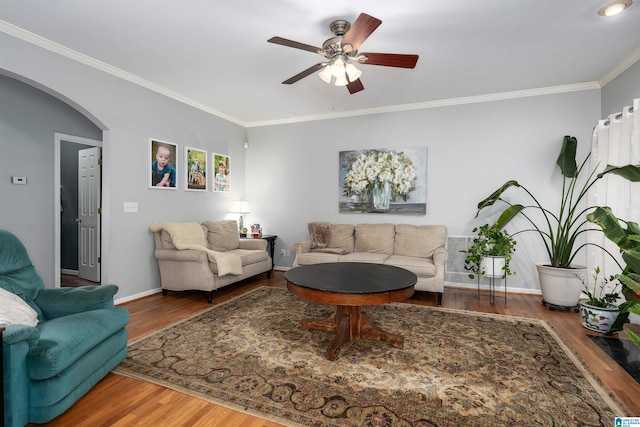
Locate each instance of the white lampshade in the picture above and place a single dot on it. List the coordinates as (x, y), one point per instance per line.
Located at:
(353, 73)
(240, 206)
(337, 68)
(341, 80)
(325, 74)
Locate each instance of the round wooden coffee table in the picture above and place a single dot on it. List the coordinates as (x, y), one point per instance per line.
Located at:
(349, 286)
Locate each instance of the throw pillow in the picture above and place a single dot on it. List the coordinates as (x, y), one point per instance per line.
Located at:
(320, 234)
(14, 311)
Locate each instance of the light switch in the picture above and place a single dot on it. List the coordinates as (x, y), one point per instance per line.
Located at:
(131, 207)
(18, 179)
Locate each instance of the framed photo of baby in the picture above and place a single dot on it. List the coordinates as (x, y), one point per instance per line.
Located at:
(163, 157)
(221, 164)
(195, 169)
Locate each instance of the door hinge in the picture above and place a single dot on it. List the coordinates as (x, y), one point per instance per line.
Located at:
(99, 211)
(99, 260)
(99, 162)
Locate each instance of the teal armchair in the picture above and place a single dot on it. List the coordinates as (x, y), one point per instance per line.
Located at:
(79, 338)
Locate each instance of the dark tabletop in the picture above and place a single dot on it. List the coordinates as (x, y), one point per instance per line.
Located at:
(351, 277)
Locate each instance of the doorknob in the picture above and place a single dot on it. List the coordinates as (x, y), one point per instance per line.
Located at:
(78, 220)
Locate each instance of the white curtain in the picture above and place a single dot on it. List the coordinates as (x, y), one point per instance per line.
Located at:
(616, 141)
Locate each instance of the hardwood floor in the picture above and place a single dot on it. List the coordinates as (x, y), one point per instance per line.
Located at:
(73, 281)
(123, 401)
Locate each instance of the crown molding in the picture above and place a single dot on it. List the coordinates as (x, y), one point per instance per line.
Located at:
(89, 61)
(620, 68)
(437, 104)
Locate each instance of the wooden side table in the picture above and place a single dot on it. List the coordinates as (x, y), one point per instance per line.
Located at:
(271, 240)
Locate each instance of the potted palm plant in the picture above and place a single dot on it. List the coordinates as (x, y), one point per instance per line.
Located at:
(559, 229)
(490, 252)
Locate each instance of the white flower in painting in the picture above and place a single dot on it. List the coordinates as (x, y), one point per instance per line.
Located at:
(371, 167)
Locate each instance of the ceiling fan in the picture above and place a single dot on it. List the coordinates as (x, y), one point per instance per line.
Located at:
(341, 51)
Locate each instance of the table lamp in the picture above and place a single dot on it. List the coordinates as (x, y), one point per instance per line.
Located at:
(241, 207)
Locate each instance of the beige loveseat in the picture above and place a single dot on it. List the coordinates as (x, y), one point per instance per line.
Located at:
(417, 248)
(207, 261)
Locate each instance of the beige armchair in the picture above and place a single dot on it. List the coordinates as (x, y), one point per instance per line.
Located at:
(198, 269)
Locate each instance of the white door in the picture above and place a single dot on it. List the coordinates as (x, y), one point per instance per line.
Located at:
(89, 214)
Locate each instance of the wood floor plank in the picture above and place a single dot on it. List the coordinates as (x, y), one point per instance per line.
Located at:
(122, 401)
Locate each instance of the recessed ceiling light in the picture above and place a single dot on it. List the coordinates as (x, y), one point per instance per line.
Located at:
(615, 7)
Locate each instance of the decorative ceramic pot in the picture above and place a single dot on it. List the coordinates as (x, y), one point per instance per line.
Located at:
(598, 319)
(381, 196)
(492, 266)
(561, 286)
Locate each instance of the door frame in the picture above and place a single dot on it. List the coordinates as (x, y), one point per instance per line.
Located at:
(57, 238)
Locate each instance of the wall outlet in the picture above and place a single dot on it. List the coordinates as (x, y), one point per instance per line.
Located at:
(283, 252)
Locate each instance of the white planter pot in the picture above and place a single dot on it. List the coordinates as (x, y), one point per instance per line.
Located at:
(597, 318)
(492, 266)
(561, 286)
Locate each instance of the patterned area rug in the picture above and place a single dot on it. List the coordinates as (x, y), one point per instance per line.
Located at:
(456, 368)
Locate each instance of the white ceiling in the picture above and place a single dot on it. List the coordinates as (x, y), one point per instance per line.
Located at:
(215, 54)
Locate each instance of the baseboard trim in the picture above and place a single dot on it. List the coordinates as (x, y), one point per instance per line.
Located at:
(137, 296)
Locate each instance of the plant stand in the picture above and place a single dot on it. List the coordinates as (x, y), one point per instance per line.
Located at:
(552, 307)
(493, 281)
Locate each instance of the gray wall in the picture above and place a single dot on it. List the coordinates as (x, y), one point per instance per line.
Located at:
(128, 115)
(28, 120)
(621, 91)
(472, 150)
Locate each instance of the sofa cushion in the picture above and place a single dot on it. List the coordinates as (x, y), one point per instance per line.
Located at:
(375, 238)
(419, 240)
(308, 258)
(165, 240)
(421, 267)
(66, 339)
(342, 237)
(222, 235)
(247, 257)
(364, 257)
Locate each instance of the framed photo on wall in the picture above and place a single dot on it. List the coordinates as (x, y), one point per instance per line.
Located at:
(222, 174)
(163, 157)
(195, 169)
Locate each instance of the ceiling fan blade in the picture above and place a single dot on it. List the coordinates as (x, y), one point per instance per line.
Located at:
(303, 74)
(355, 86)
(390, 59)
(360, 30)
(291, 43)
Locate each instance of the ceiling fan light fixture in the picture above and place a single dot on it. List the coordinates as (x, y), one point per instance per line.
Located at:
(337, 67)
(615, 7)
(326, 74)
(341, 80)
(352, 72)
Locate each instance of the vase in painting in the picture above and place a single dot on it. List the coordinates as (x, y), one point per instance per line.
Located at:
(381, 196)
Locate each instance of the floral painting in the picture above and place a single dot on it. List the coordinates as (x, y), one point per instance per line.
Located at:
(384, 181)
